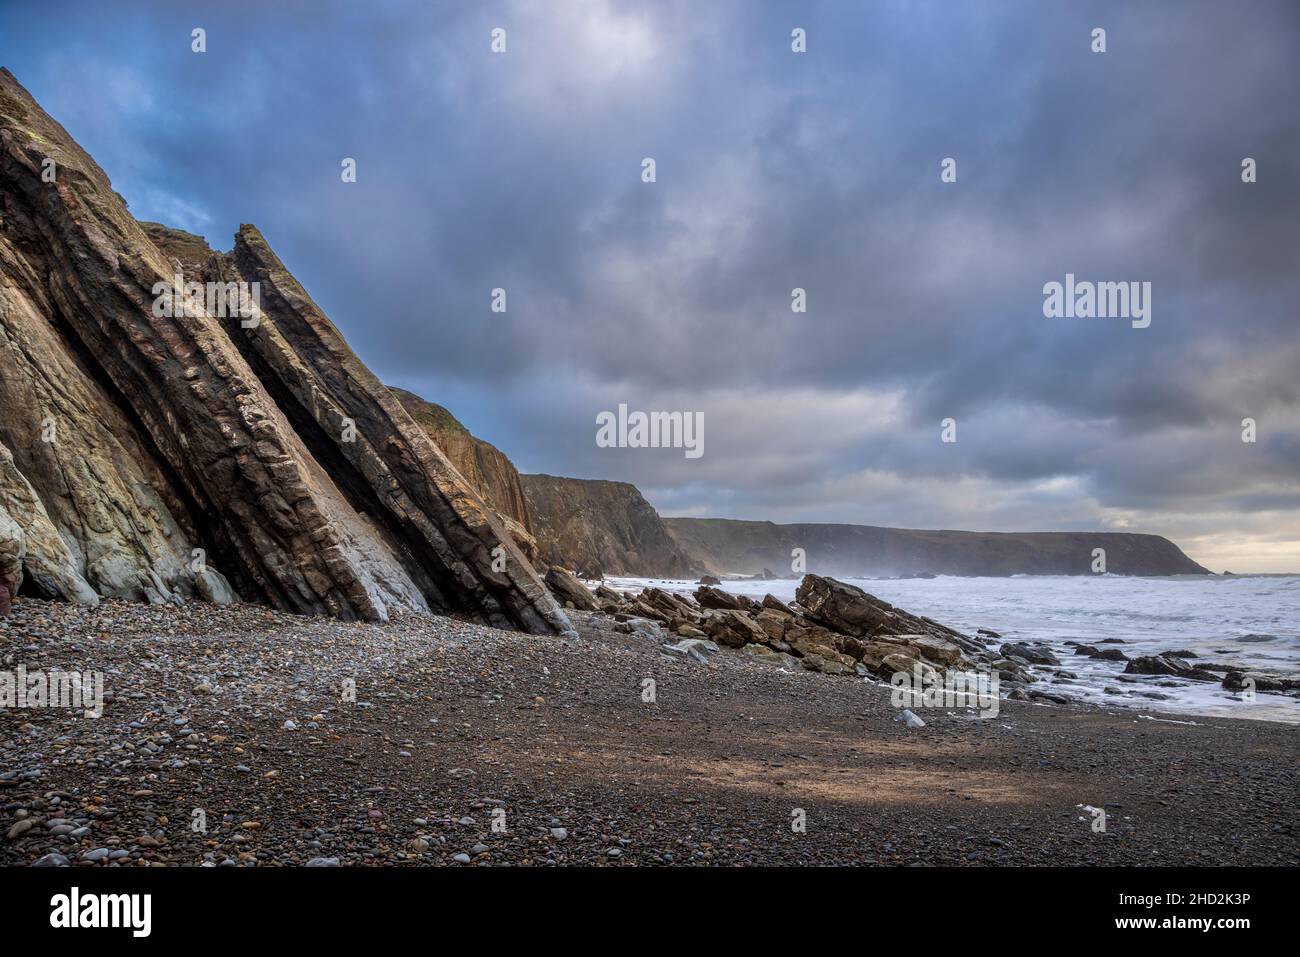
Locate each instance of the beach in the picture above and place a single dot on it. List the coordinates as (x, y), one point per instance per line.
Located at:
(465, 745)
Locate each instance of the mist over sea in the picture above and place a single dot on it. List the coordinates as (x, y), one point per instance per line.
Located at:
(1247, 620)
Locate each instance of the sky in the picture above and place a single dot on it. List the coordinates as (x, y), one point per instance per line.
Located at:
(774, 170)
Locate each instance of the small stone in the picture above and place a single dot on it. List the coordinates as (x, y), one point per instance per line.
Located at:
(323, 862)
(559, 833)
(21, 828)
(52, 860)
(98, 854)
(461, 858)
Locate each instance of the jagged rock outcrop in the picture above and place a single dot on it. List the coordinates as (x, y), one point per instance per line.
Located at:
(604, 527)
(840, 631)
(262, 441)
(728, 547)
(485, 467)
(568, 590)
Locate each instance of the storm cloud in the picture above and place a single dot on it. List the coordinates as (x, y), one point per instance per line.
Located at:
(775, 170)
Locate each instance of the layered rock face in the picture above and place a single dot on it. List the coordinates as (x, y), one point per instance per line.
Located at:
(725, 546)
(602, 527)
(149, 448)
(485, 467)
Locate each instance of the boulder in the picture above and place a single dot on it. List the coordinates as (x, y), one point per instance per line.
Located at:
(1281, 684)
(766, 656)
(683, 648)
(735, 629)
(566, 588)
(710, 597)
(939, 650)
(827, 666)
(774, 623)
(844, 608)
(1167, 665)
(709, 580)
(851, 611)
(775, 604)
(1035, 652)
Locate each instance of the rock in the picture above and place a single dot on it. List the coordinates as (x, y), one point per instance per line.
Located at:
(910, 719)
(566, 588)
(323, 862)
(709, 580)
(52, 859)
(766, 656)
(460, 858)
(1237, 681)
(682, 649)
(20, 828)
(95, 856)
(1167, 665)
(1109, 654)
(559, 833)
(939, 650)
(735, 629)
(851, 611)
(775, 604)
(711, 597)
(774, 623)
(1034, 652)
(1047, 696)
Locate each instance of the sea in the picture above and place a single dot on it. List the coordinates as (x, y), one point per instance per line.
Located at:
(1252, 621)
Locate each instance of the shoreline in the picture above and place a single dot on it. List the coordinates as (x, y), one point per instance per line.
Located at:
(453, 720)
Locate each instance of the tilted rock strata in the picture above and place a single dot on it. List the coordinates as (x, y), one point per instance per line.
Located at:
(485, 467)
(237, 433)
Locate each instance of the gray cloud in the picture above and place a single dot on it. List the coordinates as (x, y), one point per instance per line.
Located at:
(774, 171)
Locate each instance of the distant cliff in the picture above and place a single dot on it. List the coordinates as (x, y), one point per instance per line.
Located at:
(595, 525)
(737, 547)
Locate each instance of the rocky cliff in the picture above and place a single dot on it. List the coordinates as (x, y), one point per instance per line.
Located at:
(194, 451)
(484, 466)
(598, 526)
(736, 547)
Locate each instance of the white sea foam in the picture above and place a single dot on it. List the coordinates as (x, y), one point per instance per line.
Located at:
(1251, 621)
